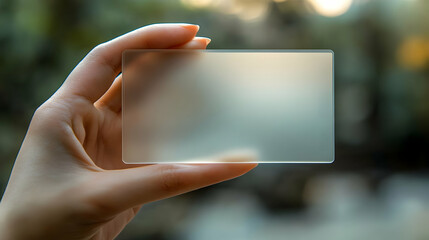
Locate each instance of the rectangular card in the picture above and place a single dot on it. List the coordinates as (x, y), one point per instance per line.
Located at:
(189, 106)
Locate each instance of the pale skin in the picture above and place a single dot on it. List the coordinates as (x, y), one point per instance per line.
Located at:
(69, 181)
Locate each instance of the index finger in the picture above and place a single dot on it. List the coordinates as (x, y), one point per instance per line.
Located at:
(93, 76)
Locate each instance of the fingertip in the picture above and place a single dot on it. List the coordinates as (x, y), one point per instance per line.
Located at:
(191, 27)
(240, 155)
(204, 40)
(195, 43)
(244, 167)
(253, 165)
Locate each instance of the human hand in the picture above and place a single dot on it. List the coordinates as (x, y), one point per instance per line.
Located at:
(69, 181)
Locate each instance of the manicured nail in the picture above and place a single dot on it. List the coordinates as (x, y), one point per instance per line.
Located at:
(206, 40)
(191, 27)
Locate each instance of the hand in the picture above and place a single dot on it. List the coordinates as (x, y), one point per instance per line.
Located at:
(69, 181)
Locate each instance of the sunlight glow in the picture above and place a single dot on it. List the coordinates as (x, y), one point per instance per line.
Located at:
(197, 3)
(331, 8)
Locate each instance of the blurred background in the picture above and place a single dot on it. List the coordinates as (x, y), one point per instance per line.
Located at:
(378, 186)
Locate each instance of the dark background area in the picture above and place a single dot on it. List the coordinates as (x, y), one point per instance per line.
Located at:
(378, 186)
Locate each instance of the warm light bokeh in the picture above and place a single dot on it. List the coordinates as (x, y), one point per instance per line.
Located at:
(331, 8)
(413, 53)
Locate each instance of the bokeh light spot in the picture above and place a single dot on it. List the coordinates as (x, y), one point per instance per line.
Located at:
(331, 8)
(413, 53)
(197, 3)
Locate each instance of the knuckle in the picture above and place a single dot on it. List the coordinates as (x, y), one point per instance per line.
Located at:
(98, 49)
(47, 110)
(44, 111)
(97, 54)
(171, 180)
(49, 117)
(102, 54)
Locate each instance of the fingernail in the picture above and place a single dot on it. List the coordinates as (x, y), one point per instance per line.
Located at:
(205, 39)
(191, 27)
(208, 40)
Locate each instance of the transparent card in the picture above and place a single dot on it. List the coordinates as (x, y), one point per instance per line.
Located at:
(189, 106)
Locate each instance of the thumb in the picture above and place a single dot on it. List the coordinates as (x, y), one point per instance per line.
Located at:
(119, 190)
